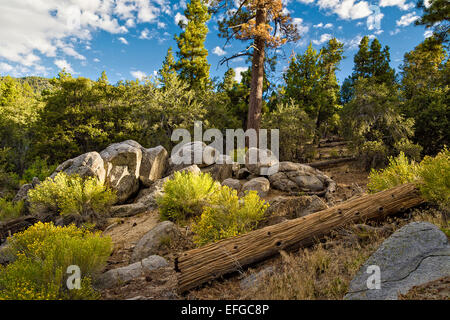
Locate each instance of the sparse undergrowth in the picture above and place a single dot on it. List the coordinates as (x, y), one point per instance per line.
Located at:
(325, 270)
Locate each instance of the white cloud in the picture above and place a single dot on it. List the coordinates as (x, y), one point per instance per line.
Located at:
(346, 9)
(324, 26)
(5, 68)
(374, 20)
(428, 33)
(63, 64)
(323, 38)
(407, 19)
(306, 1)
(302, 29)
(96, 60)
(219, 51)
(123, 40)
(138, 74)
(394, 32)
(238, 70)
(30, 30)
(399, 3)
(145, 34)
(179, 17)
(71, 52)
(161, 25)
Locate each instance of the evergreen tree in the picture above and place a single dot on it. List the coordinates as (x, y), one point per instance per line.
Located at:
(193, 66)
(228, 80)
(426, 97)
(310, 81)
(167, 72)
(254, 20)
(437, 16)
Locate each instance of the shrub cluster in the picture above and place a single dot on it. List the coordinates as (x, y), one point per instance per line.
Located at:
(217, 210)
(43, 253)
(185, 195)
(84, 198)
(227, 216)
(432, 176)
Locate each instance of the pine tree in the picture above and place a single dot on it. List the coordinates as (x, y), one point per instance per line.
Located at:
(437, 16)
(167, 72)
(361, 60)
(193, 66)
(310, 81)
(425, 85)
(256, 21)
(228, 80)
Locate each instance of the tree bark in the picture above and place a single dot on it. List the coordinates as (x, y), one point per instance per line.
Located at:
(206, 263)
(256, 86)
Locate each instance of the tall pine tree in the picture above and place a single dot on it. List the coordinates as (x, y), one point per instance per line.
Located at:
(167, 72)
(193, 65)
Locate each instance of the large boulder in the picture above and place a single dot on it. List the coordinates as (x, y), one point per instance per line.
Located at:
(261, 162)
(86, 165)
(221, 170)
(153, 165)
(153, 240)
(260, 184)
(299, 177)
(416, 254)
(122, 163)
(119, 276)
(196, 152)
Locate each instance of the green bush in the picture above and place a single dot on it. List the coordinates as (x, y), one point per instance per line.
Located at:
(435, 178)
(38, 168)
(10, 209)
(432, 175)
(227, 216)
(87, 199)
(43, 253)
(185, 195)
(399, 171)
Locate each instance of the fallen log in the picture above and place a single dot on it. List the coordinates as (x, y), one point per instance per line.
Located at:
(8, 228)
(328, 163)
(206, 263)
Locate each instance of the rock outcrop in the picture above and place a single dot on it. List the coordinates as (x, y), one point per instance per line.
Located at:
(416, 254)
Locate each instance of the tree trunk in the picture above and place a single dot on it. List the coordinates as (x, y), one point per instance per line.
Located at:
(203, 264)
(256, 87)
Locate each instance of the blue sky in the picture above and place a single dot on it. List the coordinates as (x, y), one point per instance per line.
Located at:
(129, 39)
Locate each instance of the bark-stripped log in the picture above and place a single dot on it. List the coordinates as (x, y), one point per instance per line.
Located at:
(206, 263)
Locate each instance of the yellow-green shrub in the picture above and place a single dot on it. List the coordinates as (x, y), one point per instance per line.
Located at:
(435, 178)
(399, 171)
(432, 176)
(185, 195)
(44, 252)
(10, 209)
(72, 195)
(227, 215)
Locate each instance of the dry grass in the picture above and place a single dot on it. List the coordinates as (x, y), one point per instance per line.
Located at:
(325, 270)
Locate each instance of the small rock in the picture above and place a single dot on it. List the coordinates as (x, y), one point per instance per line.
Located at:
(117, 276)
(260, 184)
(243, 173)
(232, 183)
(153, 240)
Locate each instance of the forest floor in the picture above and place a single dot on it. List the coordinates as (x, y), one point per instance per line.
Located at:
(320, 272)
